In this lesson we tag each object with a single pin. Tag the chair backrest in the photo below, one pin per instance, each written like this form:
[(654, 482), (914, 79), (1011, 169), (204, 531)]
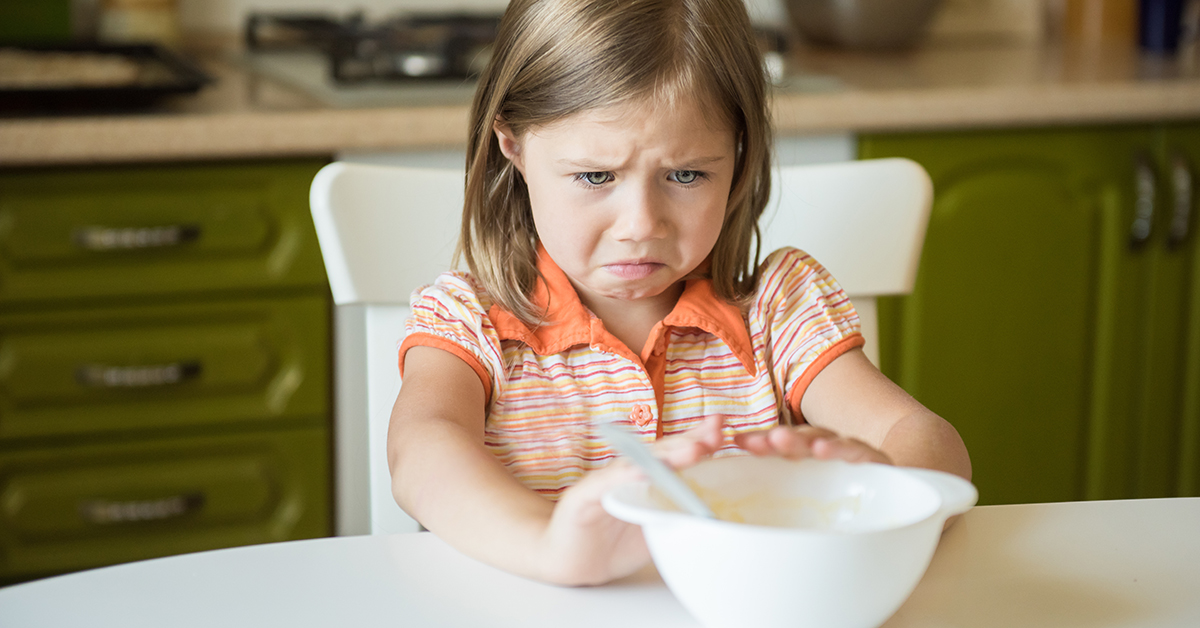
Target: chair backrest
[(863, 220), (385, 230)]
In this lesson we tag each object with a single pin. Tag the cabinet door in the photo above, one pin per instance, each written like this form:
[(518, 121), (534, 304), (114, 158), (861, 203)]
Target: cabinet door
[(1182, 145), (98, 503), (177, 365), (152, 231), (1000, 333), (1151, 384)]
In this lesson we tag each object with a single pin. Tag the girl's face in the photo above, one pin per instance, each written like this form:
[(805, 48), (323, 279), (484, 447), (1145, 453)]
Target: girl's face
[(627, 200)]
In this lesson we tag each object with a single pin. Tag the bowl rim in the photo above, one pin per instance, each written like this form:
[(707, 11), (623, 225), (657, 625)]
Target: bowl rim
[(618, 502)]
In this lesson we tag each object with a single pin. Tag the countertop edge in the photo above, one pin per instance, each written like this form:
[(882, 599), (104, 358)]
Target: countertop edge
[(172, 137), (1004, 106), (251, 134)]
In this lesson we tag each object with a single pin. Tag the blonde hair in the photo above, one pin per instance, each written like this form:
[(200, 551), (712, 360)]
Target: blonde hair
[(555, 58)]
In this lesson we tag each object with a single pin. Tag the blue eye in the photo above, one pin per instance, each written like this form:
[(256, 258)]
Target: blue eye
[(685, 176), (595, 178)]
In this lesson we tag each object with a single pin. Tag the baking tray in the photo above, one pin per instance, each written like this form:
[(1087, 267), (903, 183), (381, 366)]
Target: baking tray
[(161, 73)]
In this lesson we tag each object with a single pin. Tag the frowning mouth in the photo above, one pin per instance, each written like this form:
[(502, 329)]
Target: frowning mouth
[(634, 269)]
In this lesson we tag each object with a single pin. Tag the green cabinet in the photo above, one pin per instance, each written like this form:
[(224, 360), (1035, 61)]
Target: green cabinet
[(1054, 318), (35, 21), (110, 370), (156, 231), (84, 505), (1186, 140), (164, 363)]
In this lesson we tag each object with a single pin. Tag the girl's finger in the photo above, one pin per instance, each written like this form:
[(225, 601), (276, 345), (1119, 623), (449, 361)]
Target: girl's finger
[(688, 448), (685, 453), (797, 442), (755, 443), (788, 442)]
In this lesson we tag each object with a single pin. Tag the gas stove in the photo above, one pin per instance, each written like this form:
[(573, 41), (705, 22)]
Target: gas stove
[(406, 48), (408, 60), (348, 61)]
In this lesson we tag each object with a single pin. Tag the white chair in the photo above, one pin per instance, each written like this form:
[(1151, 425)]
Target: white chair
[(863, 220), (386, 230), (383, 231)]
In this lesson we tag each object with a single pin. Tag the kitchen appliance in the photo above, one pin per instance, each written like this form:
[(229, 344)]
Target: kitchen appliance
[(153, 73), (798, 543), (411, 47), (877, 24), (412, 59)]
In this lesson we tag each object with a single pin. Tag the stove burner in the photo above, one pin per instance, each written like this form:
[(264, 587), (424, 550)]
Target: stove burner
[(398, 49)]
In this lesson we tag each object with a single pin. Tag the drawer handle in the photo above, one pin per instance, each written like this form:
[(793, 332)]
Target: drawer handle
[(1143, 209), (99, 376), (106, 512), (1184, 194), (125, 238)]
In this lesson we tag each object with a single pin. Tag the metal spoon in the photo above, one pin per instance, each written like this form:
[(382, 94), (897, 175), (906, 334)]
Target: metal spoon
[(661, 476)]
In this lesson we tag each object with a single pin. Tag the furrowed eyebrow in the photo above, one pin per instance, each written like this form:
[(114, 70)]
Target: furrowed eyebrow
[(699, 162), (584, 164)]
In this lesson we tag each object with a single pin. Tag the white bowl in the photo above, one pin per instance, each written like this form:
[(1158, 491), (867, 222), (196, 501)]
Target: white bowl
[(826, 544)]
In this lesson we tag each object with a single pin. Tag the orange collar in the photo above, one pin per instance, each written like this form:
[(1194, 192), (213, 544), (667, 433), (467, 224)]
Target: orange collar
[(570, 323)]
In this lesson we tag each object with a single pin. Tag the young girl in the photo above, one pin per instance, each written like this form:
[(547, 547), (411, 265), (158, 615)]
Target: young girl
[(619, 160)]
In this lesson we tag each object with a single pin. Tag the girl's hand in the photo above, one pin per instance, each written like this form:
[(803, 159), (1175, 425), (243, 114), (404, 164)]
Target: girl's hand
[(584, 544), (808, 442), (681, 451)]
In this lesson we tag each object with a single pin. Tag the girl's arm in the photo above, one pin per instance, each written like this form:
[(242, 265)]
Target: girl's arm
[(859, 414), (444, 477), (441, 474)]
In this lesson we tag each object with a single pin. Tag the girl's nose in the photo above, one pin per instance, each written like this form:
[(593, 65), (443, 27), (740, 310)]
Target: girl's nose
[(640, 214)]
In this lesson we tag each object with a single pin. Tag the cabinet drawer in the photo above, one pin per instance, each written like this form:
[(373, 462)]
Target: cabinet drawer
[(156, 230), (107, 370), (71, 508)]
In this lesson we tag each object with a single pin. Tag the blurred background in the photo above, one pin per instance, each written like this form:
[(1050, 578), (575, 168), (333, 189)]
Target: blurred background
[(56, 19)]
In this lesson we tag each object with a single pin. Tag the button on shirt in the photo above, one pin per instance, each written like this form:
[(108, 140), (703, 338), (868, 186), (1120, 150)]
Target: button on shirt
[(547, 386)]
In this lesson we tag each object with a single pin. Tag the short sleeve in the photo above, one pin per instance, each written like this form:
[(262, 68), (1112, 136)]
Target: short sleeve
[(451, 314), (806, 318)]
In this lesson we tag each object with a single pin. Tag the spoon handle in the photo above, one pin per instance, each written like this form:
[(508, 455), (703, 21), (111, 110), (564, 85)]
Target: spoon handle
[(660, 475)]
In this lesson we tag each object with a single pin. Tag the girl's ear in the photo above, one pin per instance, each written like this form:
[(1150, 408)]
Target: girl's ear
[(509, 144)]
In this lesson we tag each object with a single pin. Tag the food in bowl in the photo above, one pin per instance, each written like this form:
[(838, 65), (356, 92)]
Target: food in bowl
[(796, 543)]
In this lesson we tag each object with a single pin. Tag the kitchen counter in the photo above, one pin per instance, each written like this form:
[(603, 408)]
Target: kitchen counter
[(943, 86)]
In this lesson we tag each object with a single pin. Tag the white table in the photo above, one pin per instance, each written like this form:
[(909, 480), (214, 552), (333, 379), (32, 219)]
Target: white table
[(1120, 563)]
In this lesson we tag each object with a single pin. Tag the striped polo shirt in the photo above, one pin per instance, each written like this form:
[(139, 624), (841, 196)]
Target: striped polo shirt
[(547, 386)]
